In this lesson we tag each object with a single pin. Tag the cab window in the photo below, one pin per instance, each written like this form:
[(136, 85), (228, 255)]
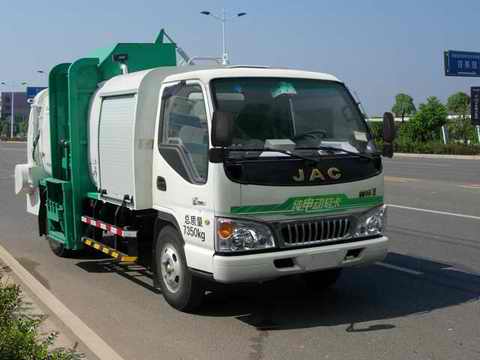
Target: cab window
[(184, 120)]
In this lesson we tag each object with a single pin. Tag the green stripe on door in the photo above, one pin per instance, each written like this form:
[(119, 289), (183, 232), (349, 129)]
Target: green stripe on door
[(311, 205)]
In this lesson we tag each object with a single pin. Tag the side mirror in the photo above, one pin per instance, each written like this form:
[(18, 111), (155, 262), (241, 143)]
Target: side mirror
[(388, 134), (222, 128)]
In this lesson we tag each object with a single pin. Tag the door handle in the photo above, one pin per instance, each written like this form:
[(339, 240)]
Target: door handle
[(161, 183), (196, 201)]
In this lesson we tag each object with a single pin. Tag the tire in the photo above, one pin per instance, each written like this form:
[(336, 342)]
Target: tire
[(321, 280), (59, 249), (181, 289)]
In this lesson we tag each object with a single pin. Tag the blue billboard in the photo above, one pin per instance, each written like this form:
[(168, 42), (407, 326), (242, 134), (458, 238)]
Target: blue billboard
[(32, 91), (462, 63)]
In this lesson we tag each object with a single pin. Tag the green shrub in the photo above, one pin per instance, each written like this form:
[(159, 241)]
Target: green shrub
[(406, 143), (376, 127), (462, 130), (19, 332), (426, 123)]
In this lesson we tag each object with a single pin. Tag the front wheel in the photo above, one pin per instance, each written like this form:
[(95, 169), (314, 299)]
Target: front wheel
[(324, 279), (181, 289)]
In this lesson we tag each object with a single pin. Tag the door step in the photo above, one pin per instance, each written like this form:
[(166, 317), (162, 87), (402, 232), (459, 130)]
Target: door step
[(108, 250)]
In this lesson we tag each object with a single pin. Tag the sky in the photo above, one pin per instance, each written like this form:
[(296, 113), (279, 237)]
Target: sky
[(378, 48)]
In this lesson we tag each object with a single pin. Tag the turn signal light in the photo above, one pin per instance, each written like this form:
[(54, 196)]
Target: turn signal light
[(225, 230)]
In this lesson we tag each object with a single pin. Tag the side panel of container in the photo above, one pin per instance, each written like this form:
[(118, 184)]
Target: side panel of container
[(122, 120)]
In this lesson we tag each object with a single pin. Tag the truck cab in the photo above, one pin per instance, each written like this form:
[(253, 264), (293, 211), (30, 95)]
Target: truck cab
[(267, 173)]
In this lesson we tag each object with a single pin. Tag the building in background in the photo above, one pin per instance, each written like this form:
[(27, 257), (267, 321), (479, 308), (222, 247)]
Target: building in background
[(22, 107)]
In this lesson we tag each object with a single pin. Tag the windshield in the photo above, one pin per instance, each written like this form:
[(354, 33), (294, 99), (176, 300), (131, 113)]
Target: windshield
[(291, 113)]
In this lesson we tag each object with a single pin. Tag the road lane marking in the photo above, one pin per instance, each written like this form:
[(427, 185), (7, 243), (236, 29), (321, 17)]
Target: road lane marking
[(399, 268), (437, 156), (94, 342), (416, 163), (470, 186), (435, 212), (398, 179)]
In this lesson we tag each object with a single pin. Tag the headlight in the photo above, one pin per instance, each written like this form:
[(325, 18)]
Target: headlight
[(371, 222), (238, 235)]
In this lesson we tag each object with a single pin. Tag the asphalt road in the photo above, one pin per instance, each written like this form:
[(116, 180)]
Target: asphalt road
[(422, 302)]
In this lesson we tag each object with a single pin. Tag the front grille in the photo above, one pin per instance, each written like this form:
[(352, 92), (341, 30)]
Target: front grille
[(315, 231)]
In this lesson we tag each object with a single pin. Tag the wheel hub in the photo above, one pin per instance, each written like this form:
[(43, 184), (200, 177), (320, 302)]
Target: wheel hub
[(171, 268)]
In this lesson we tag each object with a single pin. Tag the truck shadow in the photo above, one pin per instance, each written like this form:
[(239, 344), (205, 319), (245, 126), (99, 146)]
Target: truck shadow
[(133, 272), (400, 286), (379, 294)]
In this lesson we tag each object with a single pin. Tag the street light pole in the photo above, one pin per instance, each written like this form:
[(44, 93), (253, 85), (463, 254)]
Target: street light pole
[(225, 60), (223, 19), (12, 113)]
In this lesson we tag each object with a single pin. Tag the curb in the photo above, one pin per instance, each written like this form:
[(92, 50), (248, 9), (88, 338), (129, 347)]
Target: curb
[(91, 340), (437, 156)]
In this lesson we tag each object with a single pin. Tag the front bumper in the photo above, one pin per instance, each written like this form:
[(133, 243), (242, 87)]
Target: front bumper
[(265, 266)]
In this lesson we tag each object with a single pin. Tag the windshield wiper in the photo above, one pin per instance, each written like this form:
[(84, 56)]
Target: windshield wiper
[(286, 152), (330, 149), (334, 149)]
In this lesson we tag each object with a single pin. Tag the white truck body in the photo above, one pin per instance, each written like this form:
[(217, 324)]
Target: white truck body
[(124, 159)]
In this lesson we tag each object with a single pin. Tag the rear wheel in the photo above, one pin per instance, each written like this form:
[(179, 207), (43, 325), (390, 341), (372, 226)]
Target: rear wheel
[(180, 288), (324, 279), (58, 248)]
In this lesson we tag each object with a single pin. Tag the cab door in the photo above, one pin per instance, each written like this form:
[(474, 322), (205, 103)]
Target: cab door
[(181, 182)]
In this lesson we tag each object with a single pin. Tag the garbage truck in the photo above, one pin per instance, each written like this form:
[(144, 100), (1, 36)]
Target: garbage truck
[(227, 174)]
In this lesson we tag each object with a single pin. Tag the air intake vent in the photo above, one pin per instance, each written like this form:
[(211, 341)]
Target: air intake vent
[(315, 231)]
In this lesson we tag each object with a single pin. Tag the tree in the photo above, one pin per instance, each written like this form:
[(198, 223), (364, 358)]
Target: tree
[(4, 128), (403, 106), (22, 128), (459, 104), (430, 117)]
